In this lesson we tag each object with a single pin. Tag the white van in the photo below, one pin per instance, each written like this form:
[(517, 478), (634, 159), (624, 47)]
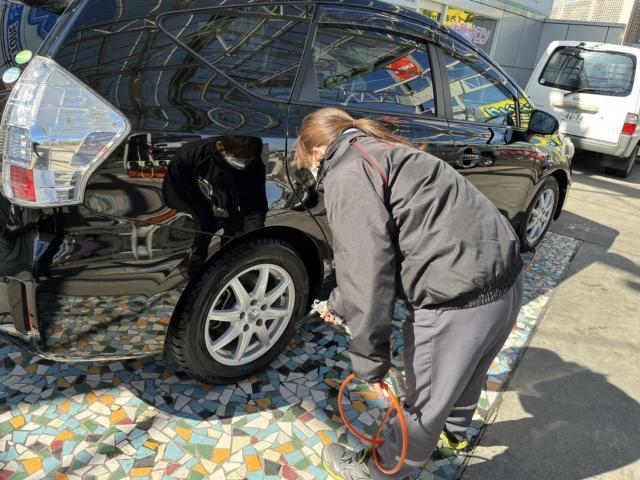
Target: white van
[(594, 91)]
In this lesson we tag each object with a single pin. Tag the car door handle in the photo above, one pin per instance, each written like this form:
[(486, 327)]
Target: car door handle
[(468, 157)]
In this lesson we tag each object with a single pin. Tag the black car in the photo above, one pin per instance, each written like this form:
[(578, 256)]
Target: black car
[(151, 199)]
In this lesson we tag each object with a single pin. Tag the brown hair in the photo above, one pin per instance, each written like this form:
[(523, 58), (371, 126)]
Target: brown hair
[(323, 126)]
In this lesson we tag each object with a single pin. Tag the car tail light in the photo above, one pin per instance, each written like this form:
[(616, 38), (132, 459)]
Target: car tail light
[(56, 132), (630, 124)]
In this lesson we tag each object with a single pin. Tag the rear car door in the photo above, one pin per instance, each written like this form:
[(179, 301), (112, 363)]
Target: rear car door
[(484, 120), (374, 64)]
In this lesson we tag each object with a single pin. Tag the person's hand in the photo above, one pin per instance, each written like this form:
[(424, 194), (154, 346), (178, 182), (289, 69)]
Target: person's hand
[(379, 389), (328, 317)]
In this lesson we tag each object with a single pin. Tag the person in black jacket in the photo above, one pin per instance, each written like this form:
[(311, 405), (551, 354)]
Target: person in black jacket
[(407, 225)]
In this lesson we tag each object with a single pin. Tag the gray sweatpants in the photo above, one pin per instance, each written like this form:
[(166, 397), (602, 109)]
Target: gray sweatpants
[(447, 357)]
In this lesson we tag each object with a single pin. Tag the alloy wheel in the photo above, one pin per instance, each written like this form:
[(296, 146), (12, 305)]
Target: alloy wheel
[(250, 314), (540, 215)]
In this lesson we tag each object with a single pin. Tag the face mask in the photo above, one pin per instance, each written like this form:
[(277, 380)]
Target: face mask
[(236, 162), (314, 171)]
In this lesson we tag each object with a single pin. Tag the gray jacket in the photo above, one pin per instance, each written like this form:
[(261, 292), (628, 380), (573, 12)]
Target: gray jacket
[(407, 225)]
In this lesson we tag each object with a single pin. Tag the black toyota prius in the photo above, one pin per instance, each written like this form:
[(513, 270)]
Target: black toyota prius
[(150, 199)]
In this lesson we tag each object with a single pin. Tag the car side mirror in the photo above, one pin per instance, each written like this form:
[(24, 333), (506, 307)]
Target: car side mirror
[(543, 123)]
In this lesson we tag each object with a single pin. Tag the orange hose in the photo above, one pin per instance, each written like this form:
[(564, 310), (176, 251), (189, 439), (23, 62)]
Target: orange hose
[(376, 441)]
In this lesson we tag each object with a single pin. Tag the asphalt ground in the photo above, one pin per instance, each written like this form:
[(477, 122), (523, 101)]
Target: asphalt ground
[(571, 410)]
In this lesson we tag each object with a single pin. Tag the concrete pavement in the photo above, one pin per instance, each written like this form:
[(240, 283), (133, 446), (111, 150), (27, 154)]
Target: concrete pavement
[(572, 409)]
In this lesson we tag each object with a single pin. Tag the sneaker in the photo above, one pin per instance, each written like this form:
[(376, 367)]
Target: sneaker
[(344, 464), (448, 445)]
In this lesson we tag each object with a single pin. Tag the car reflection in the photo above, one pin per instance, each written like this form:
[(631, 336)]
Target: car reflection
[(220, 182)]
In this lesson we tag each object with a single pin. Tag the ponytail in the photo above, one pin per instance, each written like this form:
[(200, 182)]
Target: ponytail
[(322, 127)]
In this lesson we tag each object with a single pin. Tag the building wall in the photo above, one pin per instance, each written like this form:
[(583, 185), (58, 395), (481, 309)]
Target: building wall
[(632, 35), (611, 11)]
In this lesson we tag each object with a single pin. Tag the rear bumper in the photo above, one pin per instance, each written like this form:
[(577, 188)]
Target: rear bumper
[(621, 149), (68, 297)]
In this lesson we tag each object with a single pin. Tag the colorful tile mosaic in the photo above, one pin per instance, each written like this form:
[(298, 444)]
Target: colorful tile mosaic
[(144, 419), (123, 326)]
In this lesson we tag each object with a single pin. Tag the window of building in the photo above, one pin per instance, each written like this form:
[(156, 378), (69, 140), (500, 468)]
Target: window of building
[(477, 91), (259, 47), (374, 69), (478, 29)]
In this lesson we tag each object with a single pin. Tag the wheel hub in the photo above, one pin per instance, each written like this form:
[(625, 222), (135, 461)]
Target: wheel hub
[(249, 315), (540, 215)]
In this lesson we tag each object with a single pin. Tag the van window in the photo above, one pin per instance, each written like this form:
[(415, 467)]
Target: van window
[(259, 47), (584, 70), (477, 89), (374, 69)]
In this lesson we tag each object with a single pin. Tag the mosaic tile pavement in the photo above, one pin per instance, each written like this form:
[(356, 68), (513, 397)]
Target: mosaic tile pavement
[(124, 325), (144, 419)]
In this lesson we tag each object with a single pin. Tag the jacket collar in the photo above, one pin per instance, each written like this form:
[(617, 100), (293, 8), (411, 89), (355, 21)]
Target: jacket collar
[(337, 149)]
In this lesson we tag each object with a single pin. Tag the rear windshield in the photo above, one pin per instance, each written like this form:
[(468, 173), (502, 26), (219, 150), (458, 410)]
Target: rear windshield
[(24, 26), (590, 71)]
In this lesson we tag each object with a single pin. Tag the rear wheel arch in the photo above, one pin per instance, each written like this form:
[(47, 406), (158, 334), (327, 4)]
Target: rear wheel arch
[(310, 253), (228, 285)]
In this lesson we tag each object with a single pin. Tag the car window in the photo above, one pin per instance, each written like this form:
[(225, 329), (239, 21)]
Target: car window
[(375, 69), (478, 91), (590, 71), (259, 47)]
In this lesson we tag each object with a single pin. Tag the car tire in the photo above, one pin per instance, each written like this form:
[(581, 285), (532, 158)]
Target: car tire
[(539, 215), (225, 330), (626, 167)]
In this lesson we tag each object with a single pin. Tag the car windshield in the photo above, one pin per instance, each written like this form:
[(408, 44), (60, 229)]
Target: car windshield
[(590, 71)]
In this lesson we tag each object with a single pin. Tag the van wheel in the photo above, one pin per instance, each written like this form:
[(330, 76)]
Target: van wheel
[(626, 167), (539, 215), (241, 314)]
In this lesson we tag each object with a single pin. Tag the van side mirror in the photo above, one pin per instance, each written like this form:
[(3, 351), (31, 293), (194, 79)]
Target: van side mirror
[(543, 123)]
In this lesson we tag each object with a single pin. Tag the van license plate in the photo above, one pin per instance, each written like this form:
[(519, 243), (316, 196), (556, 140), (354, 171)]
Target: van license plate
[(573, 116)]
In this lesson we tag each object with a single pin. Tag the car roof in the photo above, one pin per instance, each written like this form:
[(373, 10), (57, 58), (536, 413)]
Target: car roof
[(600, 46), (387, 6)]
